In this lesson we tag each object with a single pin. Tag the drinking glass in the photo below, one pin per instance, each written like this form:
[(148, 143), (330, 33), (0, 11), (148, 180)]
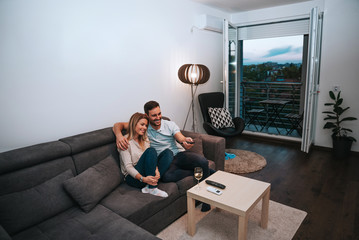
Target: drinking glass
[(198, 174)]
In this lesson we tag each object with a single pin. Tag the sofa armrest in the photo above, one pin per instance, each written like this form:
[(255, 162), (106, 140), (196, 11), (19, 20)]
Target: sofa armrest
[(213, 147), (3, 234)]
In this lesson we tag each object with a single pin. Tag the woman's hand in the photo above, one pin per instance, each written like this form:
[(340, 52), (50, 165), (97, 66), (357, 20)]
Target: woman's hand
[(150, 180), (158, 175)]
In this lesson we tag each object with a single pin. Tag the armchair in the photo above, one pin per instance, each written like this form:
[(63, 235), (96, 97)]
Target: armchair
[(216, 100)]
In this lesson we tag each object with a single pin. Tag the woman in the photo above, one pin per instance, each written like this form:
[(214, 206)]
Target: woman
[(139, 163)]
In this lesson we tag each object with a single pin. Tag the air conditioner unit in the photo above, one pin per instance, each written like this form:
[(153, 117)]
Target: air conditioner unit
[(211, 23)]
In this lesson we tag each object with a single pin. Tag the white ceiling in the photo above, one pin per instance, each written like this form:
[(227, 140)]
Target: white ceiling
[(233, 6)]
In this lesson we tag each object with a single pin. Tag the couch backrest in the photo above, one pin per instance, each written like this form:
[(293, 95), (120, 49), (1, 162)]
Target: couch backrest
[(31, 184), (89, 148), (27, 167)]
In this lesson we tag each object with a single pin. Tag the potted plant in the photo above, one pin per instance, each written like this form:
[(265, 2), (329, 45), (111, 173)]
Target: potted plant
[(341, 141)]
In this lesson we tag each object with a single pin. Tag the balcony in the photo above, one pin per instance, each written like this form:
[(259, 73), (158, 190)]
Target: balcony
[(279, 118)]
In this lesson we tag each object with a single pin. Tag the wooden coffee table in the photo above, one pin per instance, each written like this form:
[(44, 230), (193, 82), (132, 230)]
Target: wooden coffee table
[(239, 197)]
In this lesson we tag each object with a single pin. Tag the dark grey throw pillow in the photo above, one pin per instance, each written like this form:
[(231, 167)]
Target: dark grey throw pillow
[(89, 187), (23, 209)]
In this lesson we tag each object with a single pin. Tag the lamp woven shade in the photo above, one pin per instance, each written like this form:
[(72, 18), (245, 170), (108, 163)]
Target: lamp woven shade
[(193, 74)]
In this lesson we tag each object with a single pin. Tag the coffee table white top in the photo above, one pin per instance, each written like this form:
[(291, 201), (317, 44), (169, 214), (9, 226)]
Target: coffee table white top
[(240, 195)]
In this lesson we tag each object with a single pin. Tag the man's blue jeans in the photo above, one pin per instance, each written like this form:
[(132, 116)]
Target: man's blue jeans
[(183, 165), (147, 163)]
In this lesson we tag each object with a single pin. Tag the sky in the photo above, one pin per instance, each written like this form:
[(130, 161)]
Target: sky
[(280, 50)]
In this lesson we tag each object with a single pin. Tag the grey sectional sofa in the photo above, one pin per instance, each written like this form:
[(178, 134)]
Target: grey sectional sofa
[(73, 189)]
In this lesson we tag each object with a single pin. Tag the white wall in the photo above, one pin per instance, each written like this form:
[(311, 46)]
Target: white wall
[(68, 67), (340, 64), (340, 54)]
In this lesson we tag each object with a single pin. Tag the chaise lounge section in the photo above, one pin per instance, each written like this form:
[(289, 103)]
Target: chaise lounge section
[(73, 189)]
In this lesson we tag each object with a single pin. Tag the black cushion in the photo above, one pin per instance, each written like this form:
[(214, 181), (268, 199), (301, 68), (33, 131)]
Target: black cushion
[(206, 100)]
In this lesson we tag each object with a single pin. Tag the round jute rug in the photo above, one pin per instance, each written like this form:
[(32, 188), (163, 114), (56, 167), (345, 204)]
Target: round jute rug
[(244, 162)]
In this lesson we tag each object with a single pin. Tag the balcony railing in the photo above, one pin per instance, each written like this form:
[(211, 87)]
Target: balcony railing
[(252, 93)]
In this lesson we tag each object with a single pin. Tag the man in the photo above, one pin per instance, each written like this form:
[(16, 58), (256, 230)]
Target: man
[(163, 135)]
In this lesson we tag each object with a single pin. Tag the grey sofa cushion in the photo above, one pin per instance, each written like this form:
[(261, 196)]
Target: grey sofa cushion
[(26, 178), (74, 224), (132, 204), (32, 155), (92, 185), (23, 209)]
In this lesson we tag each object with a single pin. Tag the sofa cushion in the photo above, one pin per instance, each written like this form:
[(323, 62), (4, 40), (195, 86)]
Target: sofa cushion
[(186, 183), (26, 178), (99, 224), (132, 204), (23, 209), (91, 157), (32, 155), (92, 185)]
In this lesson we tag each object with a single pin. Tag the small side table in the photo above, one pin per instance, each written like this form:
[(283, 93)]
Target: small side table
[(239, 197)]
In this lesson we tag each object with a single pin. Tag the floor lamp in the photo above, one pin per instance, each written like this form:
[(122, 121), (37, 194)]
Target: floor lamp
[(193, 74)]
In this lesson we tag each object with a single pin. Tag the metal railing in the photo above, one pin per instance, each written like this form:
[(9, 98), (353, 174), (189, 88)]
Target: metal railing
[(254, 92)]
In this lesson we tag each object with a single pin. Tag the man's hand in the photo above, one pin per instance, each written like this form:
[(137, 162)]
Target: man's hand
[(122, 143), (187, 145)]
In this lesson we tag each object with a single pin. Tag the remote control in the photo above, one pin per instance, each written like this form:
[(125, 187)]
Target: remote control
[(214, 190), (216, 184)]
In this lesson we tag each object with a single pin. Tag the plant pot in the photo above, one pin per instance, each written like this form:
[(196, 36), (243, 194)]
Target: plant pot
[(341, 147)]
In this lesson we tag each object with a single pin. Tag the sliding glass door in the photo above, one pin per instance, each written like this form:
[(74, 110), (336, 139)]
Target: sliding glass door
[(230, 67), (312, 86), (271, 74)]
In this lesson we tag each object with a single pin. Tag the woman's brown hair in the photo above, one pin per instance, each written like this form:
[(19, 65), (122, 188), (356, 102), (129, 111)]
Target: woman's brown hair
[(135, 118)]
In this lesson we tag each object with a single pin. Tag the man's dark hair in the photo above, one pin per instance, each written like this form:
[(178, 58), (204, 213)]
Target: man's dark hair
[(150, 105)]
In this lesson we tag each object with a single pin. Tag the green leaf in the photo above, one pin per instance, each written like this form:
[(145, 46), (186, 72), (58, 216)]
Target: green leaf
[(339, 94), (338, 110), (348, 119), (347, 129), (343, 110), (329, 125), (328, 104), (330, 118), (340, 101), (329, 112), (331, 94)]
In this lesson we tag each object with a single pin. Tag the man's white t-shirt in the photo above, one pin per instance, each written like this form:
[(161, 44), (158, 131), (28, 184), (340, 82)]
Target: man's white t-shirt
[(163, 138)]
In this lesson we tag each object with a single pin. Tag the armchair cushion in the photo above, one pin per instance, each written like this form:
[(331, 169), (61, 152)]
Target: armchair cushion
[(220, 117)]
